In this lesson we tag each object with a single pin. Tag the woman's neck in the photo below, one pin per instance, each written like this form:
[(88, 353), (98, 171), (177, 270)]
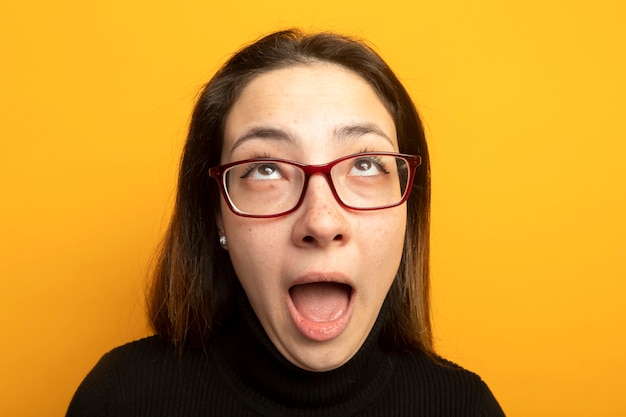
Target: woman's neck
[(249, 360)]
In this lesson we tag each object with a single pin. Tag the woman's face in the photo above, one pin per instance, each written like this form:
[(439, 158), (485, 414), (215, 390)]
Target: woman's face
[(316, 278)]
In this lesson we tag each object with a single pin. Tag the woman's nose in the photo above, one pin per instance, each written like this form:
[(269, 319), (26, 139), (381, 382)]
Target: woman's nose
[(321, 219)]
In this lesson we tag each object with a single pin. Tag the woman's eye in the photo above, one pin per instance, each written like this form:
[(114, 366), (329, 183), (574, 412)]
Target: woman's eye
[(367, 167), (262, 172)]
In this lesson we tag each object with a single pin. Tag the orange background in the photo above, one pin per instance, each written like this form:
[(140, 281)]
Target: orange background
[(524, 103)]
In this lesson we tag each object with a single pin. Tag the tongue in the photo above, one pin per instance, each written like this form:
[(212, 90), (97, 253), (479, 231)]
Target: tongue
[(321, 301)]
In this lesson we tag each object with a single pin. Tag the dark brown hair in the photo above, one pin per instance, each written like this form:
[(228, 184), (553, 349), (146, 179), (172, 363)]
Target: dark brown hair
[(194, 283)]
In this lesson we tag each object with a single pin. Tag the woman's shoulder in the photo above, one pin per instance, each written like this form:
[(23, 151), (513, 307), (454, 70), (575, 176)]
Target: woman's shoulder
[(146, 368), (153, 355), (149, 347), (433, 366), (446, 384)]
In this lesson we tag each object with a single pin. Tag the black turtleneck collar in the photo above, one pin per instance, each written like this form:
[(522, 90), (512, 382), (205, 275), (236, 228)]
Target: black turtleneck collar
[(269, 383)]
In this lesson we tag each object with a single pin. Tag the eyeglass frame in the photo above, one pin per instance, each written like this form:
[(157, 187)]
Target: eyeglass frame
[(414, 161)]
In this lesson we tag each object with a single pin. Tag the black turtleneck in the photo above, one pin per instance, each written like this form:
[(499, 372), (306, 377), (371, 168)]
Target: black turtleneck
[(243, 374)]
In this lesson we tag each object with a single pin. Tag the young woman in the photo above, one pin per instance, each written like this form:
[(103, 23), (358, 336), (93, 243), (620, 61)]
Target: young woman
[(293, 279)]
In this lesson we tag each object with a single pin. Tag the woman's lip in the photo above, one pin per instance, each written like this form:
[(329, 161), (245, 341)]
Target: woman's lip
[(321, 331), (311, 278)]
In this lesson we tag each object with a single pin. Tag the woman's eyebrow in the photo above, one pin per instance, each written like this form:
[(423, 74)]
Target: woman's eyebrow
[(348, 132), (357, 130), (262, 132)]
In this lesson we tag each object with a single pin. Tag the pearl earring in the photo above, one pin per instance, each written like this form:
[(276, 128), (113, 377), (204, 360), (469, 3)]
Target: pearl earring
[(223, 241)]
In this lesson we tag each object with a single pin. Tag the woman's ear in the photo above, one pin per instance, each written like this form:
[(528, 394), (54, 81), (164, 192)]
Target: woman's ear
[(220, 230), (219, 222)]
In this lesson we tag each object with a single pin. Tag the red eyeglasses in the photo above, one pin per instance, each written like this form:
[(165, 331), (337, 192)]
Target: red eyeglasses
[(270, 187)]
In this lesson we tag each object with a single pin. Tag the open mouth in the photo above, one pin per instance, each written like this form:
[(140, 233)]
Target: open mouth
[(320, 310)]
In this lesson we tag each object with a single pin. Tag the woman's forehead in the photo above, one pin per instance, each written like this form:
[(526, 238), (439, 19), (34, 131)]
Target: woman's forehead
[(299, 102)]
